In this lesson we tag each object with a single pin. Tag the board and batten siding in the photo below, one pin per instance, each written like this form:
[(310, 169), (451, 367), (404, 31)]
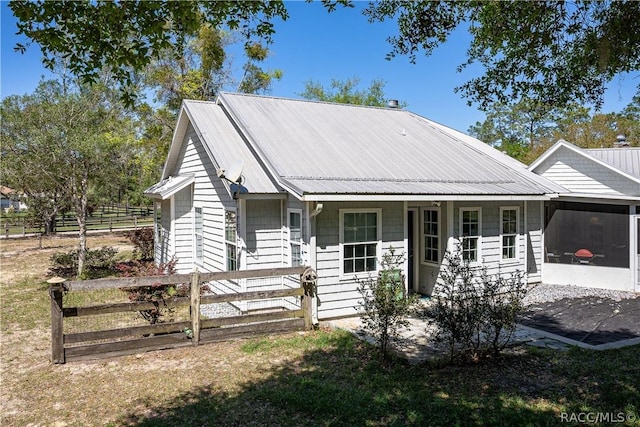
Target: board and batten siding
[(581, 174), (338, 296)]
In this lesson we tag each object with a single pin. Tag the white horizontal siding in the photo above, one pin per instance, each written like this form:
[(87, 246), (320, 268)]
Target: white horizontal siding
[(535, 246), (265, 234), (490, 242), (209, 193), (580, 174), (338, 296), (183, 222)]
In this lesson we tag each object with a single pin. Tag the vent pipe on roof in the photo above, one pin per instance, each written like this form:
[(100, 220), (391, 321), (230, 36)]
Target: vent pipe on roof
[(393, 103), (621, 141)]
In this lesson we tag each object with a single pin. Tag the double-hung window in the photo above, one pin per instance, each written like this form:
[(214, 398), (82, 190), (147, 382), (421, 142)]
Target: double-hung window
[(360, 234), (198, 233), (471, 231), (509, 218), (430, 236), (231, 240), (295, 237)]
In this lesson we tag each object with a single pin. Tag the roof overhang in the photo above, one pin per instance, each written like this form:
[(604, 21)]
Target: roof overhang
[(423, 197), (168, 187), (599, 197)]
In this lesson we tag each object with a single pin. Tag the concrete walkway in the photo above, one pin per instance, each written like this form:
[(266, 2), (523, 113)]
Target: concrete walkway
[(416, 343)]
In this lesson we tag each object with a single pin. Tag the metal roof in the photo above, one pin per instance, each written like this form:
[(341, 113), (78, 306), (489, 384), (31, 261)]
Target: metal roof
[(169, 186), (224, 145), (626, 159), (317, 147)]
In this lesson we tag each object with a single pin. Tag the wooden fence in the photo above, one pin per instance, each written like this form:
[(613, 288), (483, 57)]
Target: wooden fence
[(106, 218), (196, 330)]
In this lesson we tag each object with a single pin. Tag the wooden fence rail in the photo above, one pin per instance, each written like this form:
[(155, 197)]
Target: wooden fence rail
[(134, 339)]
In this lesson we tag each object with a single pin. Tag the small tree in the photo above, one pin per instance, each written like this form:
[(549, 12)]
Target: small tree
[(475, 313), (385, 304)]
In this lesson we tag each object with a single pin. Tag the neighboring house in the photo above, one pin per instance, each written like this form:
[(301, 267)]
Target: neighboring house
[(335, 186), (9, 199), (592, 233)]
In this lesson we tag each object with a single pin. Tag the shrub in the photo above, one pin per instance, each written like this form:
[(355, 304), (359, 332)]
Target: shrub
[(157, 294), (475, 313), (385, 305), (142, 239), (98, 263)]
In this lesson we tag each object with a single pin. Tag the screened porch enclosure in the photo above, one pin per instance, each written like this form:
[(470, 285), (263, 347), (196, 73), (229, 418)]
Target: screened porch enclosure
[(587, 234)]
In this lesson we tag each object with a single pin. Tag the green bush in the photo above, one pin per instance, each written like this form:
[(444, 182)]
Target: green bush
[(385, 305), (99, 262), (475, 313)]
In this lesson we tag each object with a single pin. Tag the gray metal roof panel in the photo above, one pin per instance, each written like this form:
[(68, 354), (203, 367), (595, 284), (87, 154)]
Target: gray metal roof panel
[(625, 159), (226, 145), (306, 141), (169, 186)]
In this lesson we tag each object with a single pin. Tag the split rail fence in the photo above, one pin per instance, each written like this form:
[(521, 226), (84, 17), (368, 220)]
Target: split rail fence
[(193, 328)]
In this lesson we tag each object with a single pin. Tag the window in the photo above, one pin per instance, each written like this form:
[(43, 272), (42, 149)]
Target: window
[(430, 235), (471, 229), (360, 235), (159, 232), (198, 233), (295, 237), (230, 237), (509, 219)]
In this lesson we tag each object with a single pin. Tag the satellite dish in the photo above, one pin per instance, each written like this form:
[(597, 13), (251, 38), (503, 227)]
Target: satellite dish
[(234, 171)]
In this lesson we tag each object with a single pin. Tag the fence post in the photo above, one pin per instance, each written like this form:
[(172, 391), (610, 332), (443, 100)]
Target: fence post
[(308, 280), (195, 307), (57, 332)]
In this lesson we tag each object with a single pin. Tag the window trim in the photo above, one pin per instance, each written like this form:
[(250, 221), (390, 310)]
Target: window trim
[(478, 259), (292, 242), (378, 242), (229, 242), (423, 248), (516, 255), (196, 260)]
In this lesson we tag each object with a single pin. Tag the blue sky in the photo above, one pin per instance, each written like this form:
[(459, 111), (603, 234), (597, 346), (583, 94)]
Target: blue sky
[(315, 45)]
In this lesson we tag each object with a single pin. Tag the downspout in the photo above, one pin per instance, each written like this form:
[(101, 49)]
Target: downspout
[(542, 244), (526, 244)]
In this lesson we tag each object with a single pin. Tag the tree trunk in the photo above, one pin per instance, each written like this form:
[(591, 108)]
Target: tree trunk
[(81, 216)]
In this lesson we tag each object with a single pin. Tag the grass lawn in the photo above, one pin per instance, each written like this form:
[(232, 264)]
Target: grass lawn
[(320, 378)]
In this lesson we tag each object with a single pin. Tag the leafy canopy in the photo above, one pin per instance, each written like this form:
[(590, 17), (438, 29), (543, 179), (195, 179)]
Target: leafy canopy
[(552, 52), (347, 92), (126, 36)]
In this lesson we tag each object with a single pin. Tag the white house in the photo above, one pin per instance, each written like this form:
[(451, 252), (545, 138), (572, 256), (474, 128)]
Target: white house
[(592, 230), (255, 181)]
